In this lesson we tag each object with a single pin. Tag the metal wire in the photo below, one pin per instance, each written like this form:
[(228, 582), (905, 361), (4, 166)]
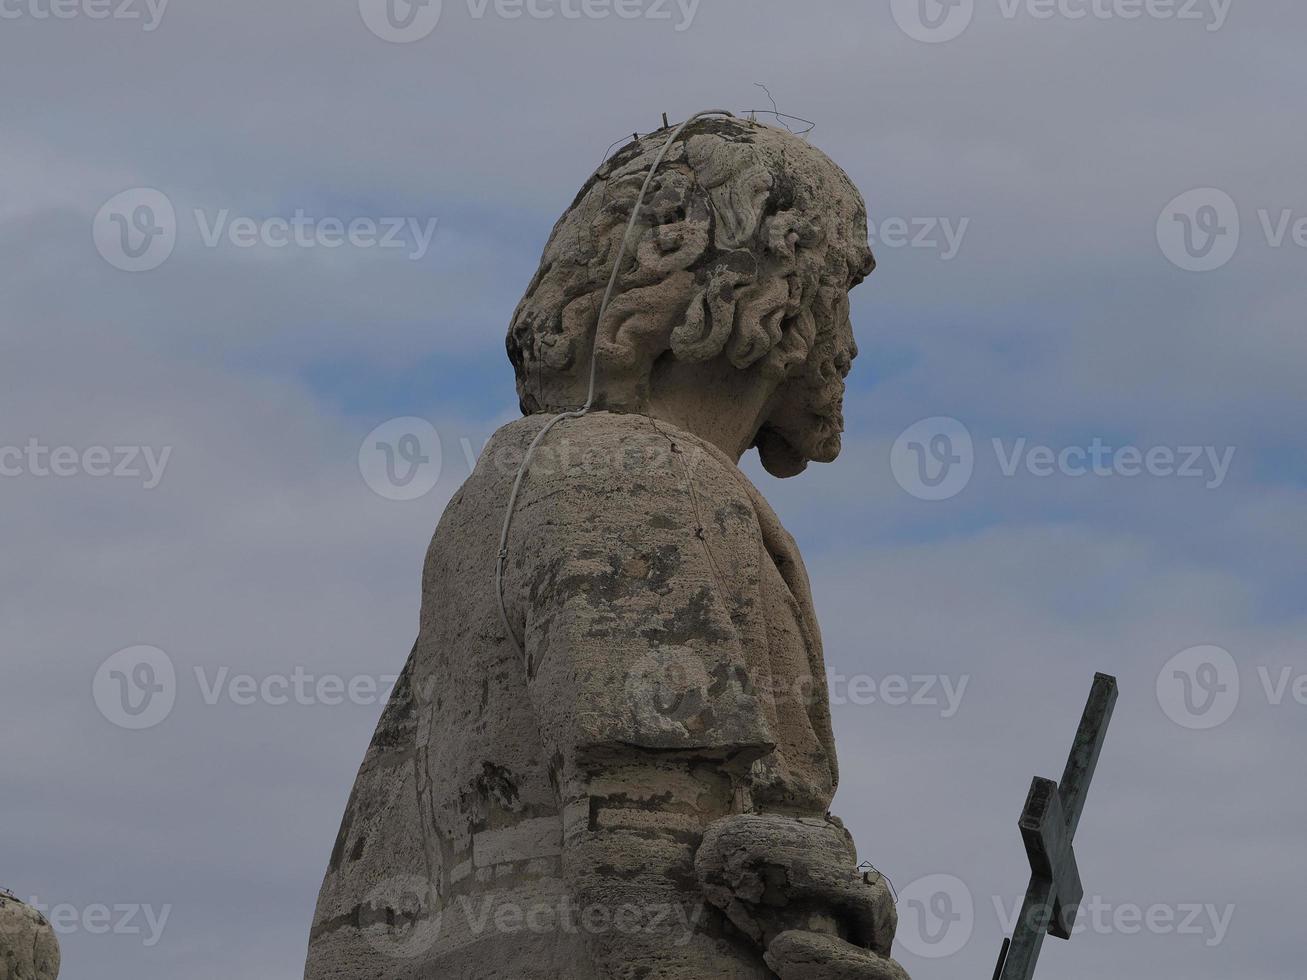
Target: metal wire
[(501, 559)]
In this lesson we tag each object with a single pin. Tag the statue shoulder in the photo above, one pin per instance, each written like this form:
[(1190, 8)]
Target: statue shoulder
[(605, 464)]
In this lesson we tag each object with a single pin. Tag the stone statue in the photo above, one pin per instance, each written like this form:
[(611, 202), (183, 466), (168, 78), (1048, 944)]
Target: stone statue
[(643, 792), (29, 949)]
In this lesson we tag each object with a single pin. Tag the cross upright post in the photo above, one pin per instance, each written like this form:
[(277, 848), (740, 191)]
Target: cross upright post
[(1048, 827)]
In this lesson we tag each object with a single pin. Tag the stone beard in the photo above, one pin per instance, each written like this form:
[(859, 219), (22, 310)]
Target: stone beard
[(645, 793)]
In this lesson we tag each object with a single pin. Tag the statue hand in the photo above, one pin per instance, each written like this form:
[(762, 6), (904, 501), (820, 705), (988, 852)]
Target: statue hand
[(772, 875)]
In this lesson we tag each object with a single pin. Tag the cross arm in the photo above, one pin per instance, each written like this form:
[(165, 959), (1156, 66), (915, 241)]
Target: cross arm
[(1052, 859)]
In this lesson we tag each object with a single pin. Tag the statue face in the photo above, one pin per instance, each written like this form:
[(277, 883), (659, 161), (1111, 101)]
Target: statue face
[(806, 422)]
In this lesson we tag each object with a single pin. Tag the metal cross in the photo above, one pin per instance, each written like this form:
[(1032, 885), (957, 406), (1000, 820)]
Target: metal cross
[(1048, 827)]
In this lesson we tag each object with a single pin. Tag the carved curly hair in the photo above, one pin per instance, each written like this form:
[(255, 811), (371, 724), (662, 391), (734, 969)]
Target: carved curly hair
[(747, 235)]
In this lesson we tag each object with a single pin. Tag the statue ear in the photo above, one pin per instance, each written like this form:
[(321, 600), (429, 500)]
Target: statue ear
[(710, 318), (798, 335), (635, 331), (758, 321)]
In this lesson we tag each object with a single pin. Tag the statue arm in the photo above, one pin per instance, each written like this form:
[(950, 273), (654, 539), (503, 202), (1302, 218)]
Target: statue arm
[(638, 683), (633, 601), (651, 794)]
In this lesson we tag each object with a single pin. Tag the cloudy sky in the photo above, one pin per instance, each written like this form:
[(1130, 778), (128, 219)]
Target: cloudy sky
[(237, 237)]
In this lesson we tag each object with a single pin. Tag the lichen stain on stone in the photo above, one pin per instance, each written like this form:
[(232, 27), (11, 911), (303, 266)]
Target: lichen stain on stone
[(496, 784), (736, 513), (692, 621), (723, 674)]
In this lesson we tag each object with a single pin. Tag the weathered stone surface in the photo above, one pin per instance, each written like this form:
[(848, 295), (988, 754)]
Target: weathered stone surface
[(538, 815), (772, 874), (813, 956), (29, 949)]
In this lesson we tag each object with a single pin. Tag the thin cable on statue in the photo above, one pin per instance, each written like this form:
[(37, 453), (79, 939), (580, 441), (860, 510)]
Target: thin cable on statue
[(502, 559)]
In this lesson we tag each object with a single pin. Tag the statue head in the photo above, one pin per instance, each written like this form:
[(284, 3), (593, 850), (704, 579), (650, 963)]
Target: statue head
[(747, 246)]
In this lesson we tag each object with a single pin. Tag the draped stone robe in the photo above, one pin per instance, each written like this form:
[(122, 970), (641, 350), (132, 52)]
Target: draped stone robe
[(536, 818)]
